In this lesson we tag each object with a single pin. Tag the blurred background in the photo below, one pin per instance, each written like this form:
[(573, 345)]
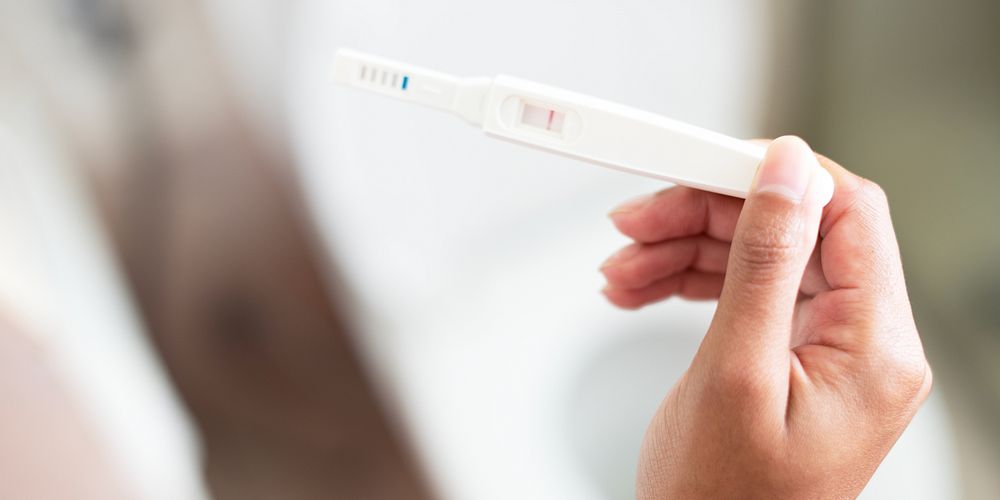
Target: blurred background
[(221, 276)]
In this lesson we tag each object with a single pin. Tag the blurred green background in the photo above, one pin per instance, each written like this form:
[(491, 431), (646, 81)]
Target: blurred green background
[(907, 93)]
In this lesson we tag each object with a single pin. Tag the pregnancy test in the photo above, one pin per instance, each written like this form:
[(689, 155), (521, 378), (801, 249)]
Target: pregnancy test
[(564, 122)]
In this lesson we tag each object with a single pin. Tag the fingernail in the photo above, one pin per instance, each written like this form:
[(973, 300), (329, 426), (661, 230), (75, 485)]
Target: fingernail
[(787, 169), (824, 186), (632, 205), (621, 256)]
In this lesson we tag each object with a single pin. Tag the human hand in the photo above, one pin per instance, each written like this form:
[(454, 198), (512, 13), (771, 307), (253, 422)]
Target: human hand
[(812, 366)]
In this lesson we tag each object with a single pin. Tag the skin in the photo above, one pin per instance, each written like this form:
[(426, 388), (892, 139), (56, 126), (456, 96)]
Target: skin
[(812, 366)]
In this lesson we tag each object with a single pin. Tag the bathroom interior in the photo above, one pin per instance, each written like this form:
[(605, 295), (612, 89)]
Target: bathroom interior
[(250, 283)]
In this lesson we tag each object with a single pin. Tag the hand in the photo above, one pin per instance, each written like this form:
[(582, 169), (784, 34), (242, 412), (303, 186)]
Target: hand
[(812, 366)]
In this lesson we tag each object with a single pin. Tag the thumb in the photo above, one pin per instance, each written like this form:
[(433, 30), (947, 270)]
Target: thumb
[(774, 237)]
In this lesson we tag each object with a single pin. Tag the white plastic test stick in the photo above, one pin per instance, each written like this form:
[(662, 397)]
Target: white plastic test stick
[(568, 123)]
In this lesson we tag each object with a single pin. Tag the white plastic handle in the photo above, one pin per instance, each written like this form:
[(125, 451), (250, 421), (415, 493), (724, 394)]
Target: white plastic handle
[(620, 137)]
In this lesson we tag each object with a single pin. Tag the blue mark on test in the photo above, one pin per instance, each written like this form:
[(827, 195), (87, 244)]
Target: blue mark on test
[(406, 80)]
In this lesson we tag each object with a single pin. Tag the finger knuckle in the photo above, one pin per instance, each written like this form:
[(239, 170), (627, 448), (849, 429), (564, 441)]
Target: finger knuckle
[(764, 251), (873, 196), (928, 383), (761, 252), (629, 276), (911, 378), (904, 379), (624, 300)]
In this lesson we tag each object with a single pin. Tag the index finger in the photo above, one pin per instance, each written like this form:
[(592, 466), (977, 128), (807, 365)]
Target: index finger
[(678, 212), (859, 248)]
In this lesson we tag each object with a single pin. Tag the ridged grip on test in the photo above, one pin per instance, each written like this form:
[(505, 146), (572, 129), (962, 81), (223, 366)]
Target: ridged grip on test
[(370, 72), (461, 96)]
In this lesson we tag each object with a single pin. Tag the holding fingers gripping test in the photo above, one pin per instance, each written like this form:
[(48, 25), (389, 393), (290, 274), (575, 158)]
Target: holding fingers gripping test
[(812, 366)]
